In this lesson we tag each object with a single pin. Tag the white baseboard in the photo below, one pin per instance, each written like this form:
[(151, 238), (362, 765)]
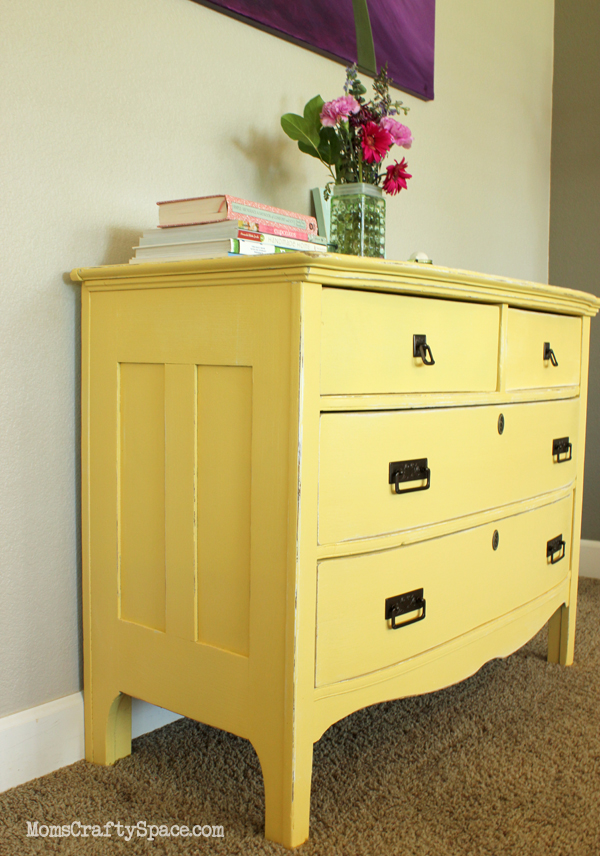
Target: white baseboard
[(589, 561), (42, 739)]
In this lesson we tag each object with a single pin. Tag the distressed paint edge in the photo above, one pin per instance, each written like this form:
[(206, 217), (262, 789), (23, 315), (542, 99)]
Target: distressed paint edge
[(334, 270)]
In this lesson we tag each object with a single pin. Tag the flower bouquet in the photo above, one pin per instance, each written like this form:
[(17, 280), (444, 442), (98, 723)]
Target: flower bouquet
[(351, 137)]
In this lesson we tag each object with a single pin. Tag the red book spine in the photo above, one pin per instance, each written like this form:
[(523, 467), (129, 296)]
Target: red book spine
[(248, 235)]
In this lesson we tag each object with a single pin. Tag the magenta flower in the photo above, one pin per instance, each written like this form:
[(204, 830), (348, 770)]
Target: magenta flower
[(339, 109), (401, 135), (396, 177), (376, 142)]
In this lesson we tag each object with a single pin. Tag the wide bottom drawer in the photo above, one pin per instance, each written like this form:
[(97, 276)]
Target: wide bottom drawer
[(468, 578)]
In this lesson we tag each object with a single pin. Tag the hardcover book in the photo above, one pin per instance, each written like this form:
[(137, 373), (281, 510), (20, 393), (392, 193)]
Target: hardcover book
[(212, 209)]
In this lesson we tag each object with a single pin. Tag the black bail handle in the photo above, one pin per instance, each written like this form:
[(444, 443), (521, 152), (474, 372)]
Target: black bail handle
[(403, 604), (400, 472), (549, 354), (421, 349), (555, 549)]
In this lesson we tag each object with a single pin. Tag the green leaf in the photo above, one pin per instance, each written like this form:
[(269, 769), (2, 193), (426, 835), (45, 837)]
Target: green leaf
[(329, 146), (365, 47), (298, 128), (308, 149), (312, 112)]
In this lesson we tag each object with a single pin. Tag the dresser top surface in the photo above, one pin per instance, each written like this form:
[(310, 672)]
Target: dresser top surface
[(331, 269)]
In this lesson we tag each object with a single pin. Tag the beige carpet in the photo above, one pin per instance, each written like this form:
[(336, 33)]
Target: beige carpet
[(506, 763)]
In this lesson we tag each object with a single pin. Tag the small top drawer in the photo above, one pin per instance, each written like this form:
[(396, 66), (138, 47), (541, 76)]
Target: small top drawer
[(544, 350), (367, 344)]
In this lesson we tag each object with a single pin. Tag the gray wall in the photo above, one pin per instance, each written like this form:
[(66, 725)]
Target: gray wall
[(575, 198)]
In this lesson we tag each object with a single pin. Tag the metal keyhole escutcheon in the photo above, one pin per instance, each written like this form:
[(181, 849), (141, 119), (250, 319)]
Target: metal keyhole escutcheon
[(495, 539)]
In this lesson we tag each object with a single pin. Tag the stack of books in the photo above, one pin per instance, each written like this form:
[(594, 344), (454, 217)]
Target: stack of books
[(213, 226)]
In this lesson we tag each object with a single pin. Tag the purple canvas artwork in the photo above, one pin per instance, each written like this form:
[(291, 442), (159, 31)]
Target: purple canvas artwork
[(370, 32)]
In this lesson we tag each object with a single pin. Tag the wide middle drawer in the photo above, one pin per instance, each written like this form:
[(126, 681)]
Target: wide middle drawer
[(368, 346), (477, 457)]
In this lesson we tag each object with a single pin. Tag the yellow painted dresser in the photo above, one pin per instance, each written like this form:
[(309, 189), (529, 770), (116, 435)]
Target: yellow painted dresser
[(314, 482)]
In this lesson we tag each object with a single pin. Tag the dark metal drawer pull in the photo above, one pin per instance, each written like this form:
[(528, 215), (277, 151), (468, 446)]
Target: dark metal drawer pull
[(422, 349), (401, 604), (549, 354), (554, 546), (408, 471), (561, 446)]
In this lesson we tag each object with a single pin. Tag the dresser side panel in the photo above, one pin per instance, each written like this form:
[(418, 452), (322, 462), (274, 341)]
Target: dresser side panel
[(247, 330)]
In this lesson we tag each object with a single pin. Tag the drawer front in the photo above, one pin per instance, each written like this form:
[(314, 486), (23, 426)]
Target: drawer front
[(472, 466), (367, 344), (528, 332), (465, 582)]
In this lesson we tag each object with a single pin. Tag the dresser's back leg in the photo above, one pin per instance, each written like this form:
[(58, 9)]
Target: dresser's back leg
[(561, 635)]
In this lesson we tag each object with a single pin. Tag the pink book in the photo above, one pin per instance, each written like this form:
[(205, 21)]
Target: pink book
[(285, 232), (212, 209)]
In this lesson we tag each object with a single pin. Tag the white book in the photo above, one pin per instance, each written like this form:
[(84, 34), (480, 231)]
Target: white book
[(251, 237), (204, 249)]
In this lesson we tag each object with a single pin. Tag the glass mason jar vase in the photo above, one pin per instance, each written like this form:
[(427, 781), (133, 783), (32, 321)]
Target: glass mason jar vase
[(358, 220)]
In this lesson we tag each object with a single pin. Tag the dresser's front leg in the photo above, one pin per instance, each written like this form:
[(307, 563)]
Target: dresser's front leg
[(107, 726), (287, 773), (561, 635)]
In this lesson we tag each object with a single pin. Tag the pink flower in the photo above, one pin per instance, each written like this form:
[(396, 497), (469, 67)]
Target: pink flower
[(396, 177), (376, 142), (337, 110), (401, 135)]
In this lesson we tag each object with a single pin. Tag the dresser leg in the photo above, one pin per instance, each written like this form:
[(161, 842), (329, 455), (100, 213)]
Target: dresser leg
[(287, 781), (561, 635), (107, 727)]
